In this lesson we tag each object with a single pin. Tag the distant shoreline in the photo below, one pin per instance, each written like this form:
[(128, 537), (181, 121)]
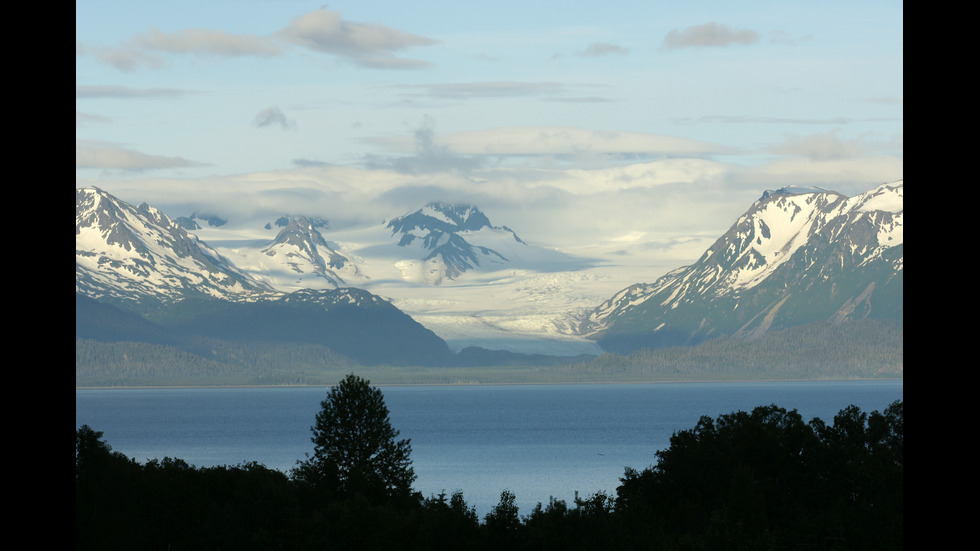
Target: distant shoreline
[(512, 383)]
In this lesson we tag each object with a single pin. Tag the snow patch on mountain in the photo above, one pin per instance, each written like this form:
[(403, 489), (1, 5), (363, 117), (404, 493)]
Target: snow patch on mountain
[(519, 297), (771, 232), (768, 235), (126, 253)]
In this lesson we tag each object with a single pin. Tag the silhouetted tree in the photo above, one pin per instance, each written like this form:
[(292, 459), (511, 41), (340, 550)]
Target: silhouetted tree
[(448, 523), (747, 480), (503, 524), (355, 448), (766, 479), (103, 478)]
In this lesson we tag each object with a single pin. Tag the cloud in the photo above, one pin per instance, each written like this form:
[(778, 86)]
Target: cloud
[(368, 45), (206, 42), (82, 119), (821, 147), (127, 59), (105, 156), (849, 176), (272, 116), (124, 92), (495, 89), (480, 155), (551, 91), (143, 50), (754, 119), (530, 140), (429, 156), (580, 99), (303, 162), (673, 207), (597, 49), (711, 35)]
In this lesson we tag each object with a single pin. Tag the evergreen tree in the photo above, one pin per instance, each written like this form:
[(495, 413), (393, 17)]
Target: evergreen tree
[(355, 448)]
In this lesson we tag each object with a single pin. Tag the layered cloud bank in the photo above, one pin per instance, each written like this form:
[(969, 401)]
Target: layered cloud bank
[(609, 136)]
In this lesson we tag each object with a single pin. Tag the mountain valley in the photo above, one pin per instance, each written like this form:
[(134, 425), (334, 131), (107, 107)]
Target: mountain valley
[(443, 286)]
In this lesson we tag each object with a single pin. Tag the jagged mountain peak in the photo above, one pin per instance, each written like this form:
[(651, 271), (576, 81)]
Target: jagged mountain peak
[(441, 217), (463, 216), (131, 255), (793, 190), (96, 208), (192, 222), (299, 231), (887, 197), (299, 249), (781, 222), (313, 221), (453, 238), (335, 297), (795, 256)]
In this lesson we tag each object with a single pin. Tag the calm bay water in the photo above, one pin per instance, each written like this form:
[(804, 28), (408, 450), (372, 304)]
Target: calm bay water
[(534, 440)]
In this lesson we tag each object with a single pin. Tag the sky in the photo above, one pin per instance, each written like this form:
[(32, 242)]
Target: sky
[(608, 128)]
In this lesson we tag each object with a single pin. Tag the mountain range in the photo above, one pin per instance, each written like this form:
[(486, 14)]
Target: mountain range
[(137, 256), (796, 257)]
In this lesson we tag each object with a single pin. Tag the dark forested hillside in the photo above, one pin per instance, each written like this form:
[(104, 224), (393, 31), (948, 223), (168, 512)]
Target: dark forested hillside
[(369, 332), (851, 350), (370, 335), (107, 323), (855, 350)]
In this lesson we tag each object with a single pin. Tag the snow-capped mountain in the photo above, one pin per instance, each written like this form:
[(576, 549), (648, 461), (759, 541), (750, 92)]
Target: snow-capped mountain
[(796, 256), (444, 241), (135, 261), (127, 255), (500, 291), (438, 244), (300, 253)]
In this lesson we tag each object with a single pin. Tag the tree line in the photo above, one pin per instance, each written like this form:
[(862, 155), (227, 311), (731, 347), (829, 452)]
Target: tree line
[(863, 349), (764, 479), (859, 349)]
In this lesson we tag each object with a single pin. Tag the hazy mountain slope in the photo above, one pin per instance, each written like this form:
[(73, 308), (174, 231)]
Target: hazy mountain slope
[(352, 322), (795, 257), (104, 322)]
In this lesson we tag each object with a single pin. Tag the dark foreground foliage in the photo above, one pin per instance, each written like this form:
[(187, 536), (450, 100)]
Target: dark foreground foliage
[(762, 480)]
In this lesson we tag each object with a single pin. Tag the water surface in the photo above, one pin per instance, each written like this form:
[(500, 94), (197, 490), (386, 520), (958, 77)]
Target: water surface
[(537, 441)]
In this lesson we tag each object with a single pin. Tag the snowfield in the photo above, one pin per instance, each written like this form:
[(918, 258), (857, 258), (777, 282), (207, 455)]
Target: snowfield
[(532, 309)]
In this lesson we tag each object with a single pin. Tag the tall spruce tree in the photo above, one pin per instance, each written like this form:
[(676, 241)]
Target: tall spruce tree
[(355, 448)]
